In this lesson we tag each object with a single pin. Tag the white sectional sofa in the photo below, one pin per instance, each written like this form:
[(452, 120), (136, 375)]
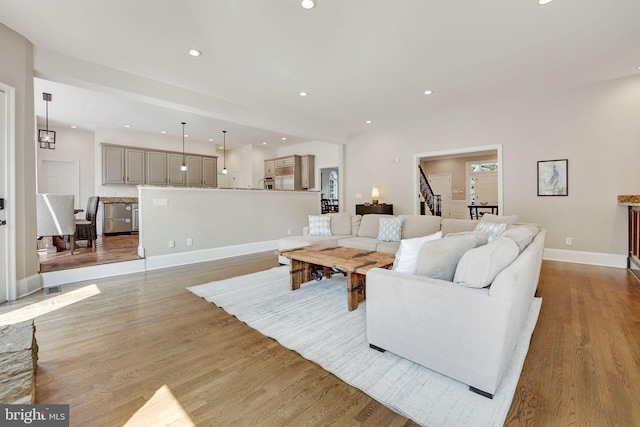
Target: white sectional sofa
[(458, 327), (454, 301)]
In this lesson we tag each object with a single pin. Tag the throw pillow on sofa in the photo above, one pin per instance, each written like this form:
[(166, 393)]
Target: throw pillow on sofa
[(522, 234), (319, 225), (509, 219), (390, 229), (479, 266), (407, 256), (492, 229), (439, 258)]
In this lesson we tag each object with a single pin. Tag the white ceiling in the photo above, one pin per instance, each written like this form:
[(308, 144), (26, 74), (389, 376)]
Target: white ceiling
[(358, 59)]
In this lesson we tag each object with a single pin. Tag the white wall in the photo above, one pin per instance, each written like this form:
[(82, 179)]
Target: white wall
[(74, 145), (596, 127), (16, 70), (216, 218)]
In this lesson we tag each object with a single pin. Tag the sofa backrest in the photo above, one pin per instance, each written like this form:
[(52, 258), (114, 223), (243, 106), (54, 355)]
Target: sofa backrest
[(450, 225), (370, 224), (419, 225), (341, 223)]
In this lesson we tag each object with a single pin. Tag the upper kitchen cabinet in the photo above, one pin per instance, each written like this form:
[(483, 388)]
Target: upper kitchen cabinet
[(210, 171), (269, 168), (112, 165), (176, 176), (307, 171), (194, 171), (134, 166), (156, 168)]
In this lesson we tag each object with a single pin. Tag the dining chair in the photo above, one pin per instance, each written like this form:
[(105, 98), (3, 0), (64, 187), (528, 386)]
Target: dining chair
[(86, 228), (55, 217)]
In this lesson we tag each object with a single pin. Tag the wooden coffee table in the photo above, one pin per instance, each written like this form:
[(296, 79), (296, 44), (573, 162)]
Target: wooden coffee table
[(318, 261)]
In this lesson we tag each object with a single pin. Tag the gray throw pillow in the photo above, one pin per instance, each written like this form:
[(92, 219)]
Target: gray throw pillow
[(479, 266), (439, 258)]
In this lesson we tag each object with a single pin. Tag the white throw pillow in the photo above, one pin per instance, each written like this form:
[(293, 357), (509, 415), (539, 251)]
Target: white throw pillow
[(319, 225), (407, 256), (390, 229), (479, 266), (491, 228)]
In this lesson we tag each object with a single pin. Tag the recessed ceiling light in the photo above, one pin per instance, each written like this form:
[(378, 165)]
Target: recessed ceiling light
[(73, 127), (368, 122), (284, 138), (544, 1), (210, 139), (428, 92), (264, 143), (308, 4), (195, 52), (186, 136), (163, 131), (304, 93), (127, 126)]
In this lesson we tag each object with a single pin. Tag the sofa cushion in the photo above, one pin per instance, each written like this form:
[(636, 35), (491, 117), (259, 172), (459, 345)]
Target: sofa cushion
[(388, 247), (439, 258), (390, 229), (355, 224), (509, 219), (340, 223), (493, 229), (407, 255), (522, 235), (369, 225), (479, 266), (419, 225), (450, 225), (367, 243), (319, 225)]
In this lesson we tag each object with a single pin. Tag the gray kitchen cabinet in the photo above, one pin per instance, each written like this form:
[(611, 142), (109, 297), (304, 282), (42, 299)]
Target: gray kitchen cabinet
[(269, 168), (175, 176), (210, 171), (134, 166), (156, 168), (112, 165), (307, 171), (194, 171)]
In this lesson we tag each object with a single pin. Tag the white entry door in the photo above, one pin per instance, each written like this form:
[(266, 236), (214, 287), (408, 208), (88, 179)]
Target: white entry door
[(60, 177), (4, 241), (487, 187), (441, 184)]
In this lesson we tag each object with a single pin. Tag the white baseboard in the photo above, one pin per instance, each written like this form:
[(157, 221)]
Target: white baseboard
[(29, 285), (192, 257), (580, 257), (55, 278)]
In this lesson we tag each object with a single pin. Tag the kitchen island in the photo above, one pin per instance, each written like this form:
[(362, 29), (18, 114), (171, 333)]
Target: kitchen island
[(633, 253)]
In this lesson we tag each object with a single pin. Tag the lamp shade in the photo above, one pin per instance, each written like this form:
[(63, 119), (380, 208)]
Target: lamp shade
[(375, 193)]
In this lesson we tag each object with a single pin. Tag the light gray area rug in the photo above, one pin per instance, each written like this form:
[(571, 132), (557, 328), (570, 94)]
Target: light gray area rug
[(314, 321)]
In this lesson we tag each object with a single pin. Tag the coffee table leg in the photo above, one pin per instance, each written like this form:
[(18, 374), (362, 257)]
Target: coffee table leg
[(356, 289), (299, 273)]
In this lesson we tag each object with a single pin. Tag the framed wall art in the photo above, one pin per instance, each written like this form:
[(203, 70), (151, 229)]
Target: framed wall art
[(553, 177)]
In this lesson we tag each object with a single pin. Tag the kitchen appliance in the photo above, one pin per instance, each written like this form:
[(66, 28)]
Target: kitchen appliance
[(269, 183), (120, 218)]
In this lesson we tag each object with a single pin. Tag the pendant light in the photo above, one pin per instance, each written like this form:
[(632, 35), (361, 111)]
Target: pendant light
[(184, 165), (46, 137), (224, 152)]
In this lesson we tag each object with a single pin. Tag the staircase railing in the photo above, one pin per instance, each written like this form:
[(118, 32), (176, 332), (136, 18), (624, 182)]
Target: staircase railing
[(434, 201)]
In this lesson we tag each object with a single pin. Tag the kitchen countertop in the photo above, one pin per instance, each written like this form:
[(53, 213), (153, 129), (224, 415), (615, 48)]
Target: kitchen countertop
[(119, 199), (629, 200)]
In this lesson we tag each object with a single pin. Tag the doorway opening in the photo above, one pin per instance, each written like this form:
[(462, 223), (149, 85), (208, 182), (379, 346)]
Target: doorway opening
[(468, 182), (329, 190)]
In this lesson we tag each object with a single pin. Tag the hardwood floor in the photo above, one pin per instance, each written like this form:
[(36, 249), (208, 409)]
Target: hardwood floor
[(142, 350), (106, 250)]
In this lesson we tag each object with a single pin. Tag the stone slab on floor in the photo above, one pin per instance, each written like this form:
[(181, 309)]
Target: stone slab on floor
[(18, 363)]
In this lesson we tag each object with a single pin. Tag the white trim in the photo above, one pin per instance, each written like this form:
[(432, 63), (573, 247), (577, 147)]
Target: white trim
[(581, 257), (458, 151), (192, 257), (10, 190), (61, 277), (29, 285)]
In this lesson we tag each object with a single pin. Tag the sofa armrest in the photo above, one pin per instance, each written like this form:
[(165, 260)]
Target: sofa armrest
[(441, 325)]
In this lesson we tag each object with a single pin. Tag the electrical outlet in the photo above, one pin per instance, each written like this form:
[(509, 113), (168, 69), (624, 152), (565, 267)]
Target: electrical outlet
[(189, 241), (288, 231), (172, 243), (568, 241)]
